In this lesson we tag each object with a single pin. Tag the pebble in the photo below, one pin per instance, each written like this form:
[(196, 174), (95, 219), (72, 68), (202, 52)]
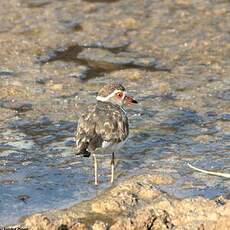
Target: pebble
[(41, 80), (23, 197), (81, 72), (56, 87)]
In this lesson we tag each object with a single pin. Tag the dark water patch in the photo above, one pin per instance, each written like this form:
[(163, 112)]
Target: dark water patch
[(114, 48), (226, 137), (124, 60), (225, 117), (35, 3), (101, 60), (4, 74), (41, 80), (69, 96), (16, 105), (105, 1), (70, 54), (168, 96), (224, 95), (207, 119), (197, 131), (148, 97), (82, 72), (72, 25), (44, 131), (187, 123), (213, 78), (63, 53), (5, 146), (26, 124), (163, 96), (212, 115), (45, 139), (179, 118)]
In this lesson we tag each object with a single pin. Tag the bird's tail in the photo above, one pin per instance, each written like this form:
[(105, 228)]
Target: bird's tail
[(82, 148), (84, 153)]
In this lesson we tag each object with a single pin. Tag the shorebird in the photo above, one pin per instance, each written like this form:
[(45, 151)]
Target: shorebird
[(104, 127)]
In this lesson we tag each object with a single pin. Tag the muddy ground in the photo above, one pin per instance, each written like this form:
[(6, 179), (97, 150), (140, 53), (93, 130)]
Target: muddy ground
[(137, 204), (173, 56)]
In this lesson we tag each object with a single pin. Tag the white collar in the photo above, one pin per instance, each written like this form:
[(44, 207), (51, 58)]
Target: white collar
[(100, 98)]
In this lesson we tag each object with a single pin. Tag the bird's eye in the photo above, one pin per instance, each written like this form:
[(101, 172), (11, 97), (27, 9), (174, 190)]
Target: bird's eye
[(119, 94)]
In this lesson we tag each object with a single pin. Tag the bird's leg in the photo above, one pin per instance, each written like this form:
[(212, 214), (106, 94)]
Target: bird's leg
[(112, 168), (95, 169)]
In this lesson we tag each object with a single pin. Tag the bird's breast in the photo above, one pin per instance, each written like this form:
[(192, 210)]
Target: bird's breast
[(110, 147)]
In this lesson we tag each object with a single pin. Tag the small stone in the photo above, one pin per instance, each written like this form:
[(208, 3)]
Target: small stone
[(128, 23), (41, 80), (135, 76), (78, 226), (99, 225), (212, 78), (23, 197), (56, 87), (164, 87), (81, 72), (220, 200), (72, 24)]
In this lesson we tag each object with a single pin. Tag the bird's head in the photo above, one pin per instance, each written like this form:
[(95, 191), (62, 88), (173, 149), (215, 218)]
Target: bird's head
[(116, 94)]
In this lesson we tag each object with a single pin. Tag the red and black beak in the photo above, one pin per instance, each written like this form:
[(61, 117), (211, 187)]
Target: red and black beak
[(129, 100)]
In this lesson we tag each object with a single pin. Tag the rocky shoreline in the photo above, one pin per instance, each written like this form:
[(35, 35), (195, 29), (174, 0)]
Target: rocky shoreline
[(136, 203)]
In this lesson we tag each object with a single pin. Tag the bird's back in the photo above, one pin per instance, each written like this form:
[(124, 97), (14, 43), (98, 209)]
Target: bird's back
[(102, 125)]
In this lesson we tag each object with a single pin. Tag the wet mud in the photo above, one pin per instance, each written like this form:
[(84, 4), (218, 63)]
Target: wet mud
[(172, 56)]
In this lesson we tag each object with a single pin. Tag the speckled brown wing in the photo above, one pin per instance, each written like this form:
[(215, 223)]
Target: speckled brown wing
[(85, 131), (112, 124), (104, 122)]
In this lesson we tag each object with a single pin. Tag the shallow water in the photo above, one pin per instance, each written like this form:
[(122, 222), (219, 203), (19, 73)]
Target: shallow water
[(38, 160), (181, 80)]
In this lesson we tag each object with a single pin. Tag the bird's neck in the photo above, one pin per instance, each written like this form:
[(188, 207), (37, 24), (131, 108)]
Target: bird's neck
[(112, 104), (116, 103)]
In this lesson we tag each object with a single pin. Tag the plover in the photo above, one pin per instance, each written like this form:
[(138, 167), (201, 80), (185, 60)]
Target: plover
[(104, 127)]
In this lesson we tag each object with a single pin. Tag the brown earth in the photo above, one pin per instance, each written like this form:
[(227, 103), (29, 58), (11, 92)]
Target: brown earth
[(137, 204)]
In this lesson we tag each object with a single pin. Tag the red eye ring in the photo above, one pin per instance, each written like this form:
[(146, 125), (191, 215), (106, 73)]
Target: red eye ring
[(119, 94)]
